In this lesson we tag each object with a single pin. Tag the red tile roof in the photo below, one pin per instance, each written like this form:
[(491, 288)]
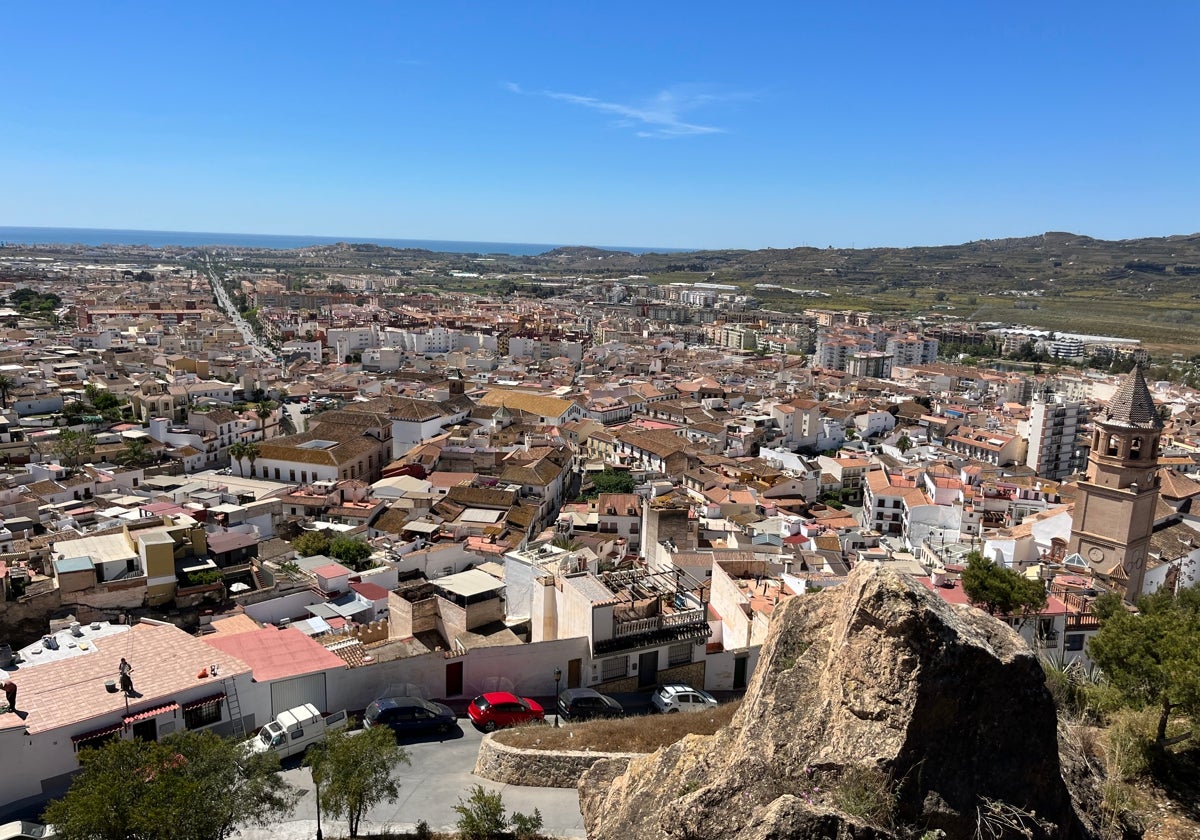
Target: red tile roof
[(204, 701), (97, 733), (153, 712), (370, 591)]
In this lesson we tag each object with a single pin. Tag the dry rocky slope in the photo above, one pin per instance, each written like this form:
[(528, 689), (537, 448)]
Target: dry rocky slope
[(878, 679)]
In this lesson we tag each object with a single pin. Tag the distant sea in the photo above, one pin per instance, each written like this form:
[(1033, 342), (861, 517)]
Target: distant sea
[(190, 239)]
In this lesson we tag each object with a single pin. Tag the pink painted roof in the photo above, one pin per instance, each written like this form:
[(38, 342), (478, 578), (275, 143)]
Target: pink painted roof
[(274, 654), (331, 571), (955, 595), (162, 507)]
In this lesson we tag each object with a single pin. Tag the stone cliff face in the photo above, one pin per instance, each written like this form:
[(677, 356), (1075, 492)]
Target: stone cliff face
[(876, 710)]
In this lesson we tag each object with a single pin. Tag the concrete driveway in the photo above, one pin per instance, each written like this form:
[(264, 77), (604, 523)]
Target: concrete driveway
[(430, 787)]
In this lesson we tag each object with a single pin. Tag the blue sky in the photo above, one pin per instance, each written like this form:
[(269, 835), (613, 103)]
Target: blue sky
[(642, 124)]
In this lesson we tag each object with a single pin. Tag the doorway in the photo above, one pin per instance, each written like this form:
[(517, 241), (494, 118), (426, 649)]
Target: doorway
[(574, 673), (739, 671), (454, 679), (648, 669), (146, 730)]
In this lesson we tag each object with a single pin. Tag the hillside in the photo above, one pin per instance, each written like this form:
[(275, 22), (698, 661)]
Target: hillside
[(1148, 289)]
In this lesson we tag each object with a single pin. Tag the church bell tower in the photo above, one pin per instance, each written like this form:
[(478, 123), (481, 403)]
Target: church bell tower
[(1114, 514)]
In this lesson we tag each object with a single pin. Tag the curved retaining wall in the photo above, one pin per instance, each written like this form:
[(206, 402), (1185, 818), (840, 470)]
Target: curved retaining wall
[(537, 768)]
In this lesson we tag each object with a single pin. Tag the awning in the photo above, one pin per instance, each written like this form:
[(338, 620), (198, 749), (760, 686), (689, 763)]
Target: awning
[(204, 701), (149, 713), (98, 733)]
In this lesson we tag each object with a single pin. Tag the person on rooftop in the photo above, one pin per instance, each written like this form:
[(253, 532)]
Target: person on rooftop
[(125, 669)]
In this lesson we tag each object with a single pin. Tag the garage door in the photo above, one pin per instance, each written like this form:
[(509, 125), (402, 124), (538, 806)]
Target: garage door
[(287, 694)]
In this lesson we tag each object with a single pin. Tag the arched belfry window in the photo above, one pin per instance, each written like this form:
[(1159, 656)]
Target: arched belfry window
[(1112, 445), (1135, 449)]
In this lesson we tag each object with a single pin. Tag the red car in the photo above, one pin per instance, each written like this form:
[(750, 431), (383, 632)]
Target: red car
[(499, 708)]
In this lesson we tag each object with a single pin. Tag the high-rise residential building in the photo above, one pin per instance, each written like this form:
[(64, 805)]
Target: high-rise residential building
[(1054, 425)]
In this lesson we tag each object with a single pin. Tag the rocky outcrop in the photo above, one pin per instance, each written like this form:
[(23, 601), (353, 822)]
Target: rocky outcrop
[(876, 710)]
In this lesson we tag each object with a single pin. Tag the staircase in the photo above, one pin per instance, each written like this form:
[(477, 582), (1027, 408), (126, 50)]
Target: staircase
[(235, 708)]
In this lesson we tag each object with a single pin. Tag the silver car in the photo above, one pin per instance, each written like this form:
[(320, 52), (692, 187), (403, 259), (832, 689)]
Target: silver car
[(682, 698)]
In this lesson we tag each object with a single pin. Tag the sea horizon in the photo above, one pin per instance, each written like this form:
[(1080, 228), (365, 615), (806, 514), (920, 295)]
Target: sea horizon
[(16, 235)]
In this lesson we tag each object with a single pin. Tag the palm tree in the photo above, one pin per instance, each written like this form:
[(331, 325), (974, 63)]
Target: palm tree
[(566, 542), (251, 455), (136, 453), (237, 452), (6, 383), (263, 409)]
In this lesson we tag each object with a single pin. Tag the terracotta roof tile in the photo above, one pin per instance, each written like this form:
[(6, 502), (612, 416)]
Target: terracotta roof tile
[(71, 691), (1132, 406)]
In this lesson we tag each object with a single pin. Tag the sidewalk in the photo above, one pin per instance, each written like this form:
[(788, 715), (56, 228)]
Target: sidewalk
[(438, 777)]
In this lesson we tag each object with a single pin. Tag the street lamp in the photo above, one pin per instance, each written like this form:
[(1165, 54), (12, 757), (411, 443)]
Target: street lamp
[(317, 782), (557, 677), (315, 760)]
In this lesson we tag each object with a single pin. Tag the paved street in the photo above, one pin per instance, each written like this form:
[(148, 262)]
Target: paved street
[(430, 787), (299, 420)]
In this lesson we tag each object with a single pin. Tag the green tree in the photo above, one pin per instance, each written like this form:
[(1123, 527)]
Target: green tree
[(6, 384), (237, 451), (349, 550), (190, 786), (1152, 656), (105, 401), (904, 444), (566, 543), (481, 816), (999, 589), (73, 446), (251, 454), (310, 543), (137, 453), (355, 771), (613, 481)]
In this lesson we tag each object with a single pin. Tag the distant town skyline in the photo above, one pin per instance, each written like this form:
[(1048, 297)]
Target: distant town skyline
[(670, 125)]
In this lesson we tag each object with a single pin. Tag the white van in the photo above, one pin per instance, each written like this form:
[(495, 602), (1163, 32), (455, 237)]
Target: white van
[(22, 830), (294, 731)]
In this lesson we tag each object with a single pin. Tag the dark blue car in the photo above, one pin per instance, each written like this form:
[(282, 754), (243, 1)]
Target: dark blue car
[(410, 715)]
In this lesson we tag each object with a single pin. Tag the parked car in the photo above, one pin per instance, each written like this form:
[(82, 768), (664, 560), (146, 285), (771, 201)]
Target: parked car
[(500, 708), (294, 731), (682, 698), (24, 830), (587, 703), (407, 715)]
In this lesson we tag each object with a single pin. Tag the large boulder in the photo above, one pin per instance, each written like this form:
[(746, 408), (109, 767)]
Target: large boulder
[(876, 710)]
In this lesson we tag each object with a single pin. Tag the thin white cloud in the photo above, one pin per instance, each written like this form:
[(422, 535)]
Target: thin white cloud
[(660, 116)]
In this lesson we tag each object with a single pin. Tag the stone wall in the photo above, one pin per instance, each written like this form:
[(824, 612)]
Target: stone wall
[(537, 768), (28, 617), (407, 618)]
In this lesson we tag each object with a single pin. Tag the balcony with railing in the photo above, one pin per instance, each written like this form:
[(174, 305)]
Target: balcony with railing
[(679, 626), (1084, 621)]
